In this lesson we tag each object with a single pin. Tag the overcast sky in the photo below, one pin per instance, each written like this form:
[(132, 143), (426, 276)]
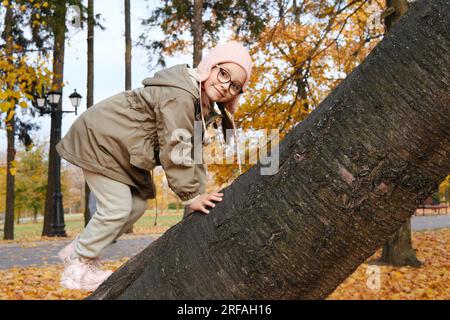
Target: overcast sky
[(109, 59)]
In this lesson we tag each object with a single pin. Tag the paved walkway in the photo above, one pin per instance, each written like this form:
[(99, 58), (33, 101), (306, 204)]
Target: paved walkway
[(419, 223), (44, 252)]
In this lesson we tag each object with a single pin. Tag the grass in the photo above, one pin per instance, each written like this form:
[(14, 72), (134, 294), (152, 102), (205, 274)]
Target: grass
[(74, 224)]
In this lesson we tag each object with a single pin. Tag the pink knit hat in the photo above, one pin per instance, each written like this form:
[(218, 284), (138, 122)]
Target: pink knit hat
[(231, 51)]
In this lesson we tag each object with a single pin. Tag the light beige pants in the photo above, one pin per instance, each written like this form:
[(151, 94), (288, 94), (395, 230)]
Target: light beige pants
[(118, 208)]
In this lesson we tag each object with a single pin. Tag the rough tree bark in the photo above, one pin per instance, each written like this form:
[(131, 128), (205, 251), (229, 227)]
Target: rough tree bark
[(349, 176), (398, 250)]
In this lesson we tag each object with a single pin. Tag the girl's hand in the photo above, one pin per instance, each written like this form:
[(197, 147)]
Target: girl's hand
[(205, 200)]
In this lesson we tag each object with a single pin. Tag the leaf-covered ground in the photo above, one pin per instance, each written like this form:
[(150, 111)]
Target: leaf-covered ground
[(431, 281), (38, 283)]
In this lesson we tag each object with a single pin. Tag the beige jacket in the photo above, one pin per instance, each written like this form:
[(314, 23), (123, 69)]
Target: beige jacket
[(125, 136)]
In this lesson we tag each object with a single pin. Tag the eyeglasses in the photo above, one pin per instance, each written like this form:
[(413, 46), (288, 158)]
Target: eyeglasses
[(224, 77)]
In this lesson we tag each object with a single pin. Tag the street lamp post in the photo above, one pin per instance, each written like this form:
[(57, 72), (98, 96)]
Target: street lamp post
[(52, 99)]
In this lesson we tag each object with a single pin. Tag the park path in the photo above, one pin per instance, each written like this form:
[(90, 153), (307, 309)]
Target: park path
[(40, 253), (44, 252)]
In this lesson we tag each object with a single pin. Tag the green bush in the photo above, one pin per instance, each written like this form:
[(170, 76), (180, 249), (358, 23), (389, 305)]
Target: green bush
[(172, 205)]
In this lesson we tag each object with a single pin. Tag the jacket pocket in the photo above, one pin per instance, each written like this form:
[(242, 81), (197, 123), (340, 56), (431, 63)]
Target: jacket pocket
[(142, 155)]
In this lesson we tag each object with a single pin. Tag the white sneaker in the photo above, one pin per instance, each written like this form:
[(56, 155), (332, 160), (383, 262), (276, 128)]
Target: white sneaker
[(65, 253), (83, 274)]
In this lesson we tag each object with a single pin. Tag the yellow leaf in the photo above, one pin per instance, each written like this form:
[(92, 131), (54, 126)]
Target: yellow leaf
[(10, 115), (15, 94), (5, 106)]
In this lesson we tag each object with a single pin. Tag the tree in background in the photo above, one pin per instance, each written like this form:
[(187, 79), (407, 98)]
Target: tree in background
[(20, 76), (72, 185), (92, 22), (31, 177), (2, 183), (186, 25), (31, 180), (444, 191), (89, 92)]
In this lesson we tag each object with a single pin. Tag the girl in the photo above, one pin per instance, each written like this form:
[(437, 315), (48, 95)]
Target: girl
[(118, 141)]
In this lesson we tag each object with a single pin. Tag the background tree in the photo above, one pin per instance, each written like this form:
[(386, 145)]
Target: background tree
[(72, 184), (348, 178), (19, 78), (179, 22), (197, 32), (10, 128), (128, 49), (90, 91), (444, 190), (31, 179), (2, 183)]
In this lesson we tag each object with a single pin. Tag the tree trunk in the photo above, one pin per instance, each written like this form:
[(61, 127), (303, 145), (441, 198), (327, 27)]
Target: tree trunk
[(197, 32), (90, 94), (398, 251), (197, 36), (349, 176), (127, 46), (10, 134), (10, 178), (128, 59), (59, 33)]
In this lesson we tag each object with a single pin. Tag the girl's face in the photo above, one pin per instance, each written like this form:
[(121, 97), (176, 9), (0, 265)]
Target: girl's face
[(216, 90)]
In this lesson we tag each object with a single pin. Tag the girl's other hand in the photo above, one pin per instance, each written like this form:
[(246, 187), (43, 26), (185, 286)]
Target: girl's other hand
[(205, 200)]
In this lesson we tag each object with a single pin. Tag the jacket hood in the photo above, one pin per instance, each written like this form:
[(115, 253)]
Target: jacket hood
[(176, 76)]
